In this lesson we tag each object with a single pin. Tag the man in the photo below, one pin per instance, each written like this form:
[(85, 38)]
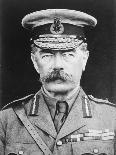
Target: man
[(60, 119)]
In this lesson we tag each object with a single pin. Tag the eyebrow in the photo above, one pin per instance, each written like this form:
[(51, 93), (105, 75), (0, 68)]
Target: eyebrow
[(54, 51)]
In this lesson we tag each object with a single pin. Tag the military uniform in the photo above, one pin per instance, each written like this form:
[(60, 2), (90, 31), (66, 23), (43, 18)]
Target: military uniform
[(92, 133), (27, 126)]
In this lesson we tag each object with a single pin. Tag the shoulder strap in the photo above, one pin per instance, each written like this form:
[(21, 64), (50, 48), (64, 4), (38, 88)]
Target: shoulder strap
[(20, 112), (15, 102), (102, 101)]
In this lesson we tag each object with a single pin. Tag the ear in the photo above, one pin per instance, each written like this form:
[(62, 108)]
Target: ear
[(85, 58), (33, 58)]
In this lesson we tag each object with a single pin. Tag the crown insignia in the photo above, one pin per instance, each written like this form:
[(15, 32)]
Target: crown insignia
[(57, 27)]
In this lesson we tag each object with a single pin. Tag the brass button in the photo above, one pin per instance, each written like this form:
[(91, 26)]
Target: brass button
[(59, 143), (95, 150), (20, 152)]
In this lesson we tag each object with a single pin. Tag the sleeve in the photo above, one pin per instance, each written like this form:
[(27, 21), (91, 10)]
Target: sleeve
[(2, 135)]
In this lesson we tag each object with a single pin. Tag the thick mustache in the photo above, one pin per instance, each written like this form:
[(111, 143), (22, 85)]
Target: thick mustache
[(56, 74)]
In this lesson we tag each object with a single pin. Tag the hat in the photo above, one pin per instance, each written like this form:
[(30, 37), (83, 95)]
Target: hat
[(58, 29)]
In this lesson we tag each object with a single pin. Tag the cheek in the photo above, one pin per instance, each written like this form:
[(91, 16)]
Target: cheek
[(76, 69), (40, 66), (76, 65), (43, 69)]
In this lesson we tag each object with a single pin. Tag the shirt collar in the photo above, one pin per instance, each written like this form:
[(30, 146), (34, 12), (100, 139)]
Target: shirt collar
[(51, 101)]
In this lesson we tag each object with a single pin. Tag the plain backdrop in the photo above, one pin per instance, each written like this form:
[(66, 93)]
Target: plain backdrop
[(17, 75)]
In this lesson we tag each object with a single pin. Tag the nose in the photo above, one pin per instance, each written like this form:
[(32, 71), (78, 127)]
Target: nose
[(58, 63)]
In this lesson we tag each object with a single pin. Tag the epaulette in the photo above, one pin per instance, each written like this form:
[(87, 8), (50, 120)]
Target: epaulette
[(18, 101), (101, 101)]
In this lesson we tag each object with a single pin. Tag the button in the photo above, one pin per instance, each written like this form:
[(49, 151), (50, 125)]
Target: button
[(59, 143), (20, 152), (95, 150)]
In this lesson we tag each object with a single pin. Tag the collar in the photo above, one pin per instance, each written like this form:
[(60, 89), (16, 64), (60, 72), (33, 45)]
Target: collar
[(41, 97), (51, 101)]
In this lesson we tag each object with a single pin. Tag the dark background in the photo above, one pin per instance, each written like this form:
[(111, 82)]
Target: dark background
[(18, 77)]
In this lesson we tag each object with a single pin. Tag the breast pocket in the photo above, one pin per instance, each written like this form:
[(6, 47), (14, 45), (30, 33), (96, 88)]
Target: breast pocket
[(93, 147), (22, 149)]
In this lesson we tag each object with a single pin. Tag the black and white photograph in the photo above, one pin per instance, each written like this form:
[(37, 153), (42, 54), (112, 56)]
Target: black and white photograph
[(58, 77)]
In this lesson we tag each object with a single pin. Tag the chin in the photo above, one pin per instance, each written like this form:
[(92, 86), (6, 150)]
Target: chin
[(59, 87)]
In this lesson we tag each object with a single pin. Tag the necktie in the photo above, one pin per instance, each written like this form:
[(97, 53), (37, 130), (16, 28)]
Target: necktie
[(60, 114)]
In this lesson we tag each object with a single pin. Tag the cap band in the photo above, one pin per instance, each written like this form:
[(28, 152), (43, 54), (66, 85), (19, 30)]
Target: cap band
[(57, 30)]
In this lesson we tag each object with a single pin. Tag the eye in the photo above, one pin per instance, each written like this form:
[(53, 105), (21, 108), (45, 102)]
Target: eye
[(69, 54), (46, 56)]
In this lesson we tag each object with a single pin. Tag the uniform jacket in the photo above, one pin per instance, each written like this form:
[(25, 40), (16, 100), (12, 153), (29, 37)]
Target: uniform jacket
[(88, 130)]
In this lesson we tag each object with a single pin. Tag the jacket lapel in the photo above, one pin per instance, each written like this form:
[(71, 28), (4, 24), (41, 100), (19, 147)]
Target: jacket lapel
[(42, 119), (75, 120)]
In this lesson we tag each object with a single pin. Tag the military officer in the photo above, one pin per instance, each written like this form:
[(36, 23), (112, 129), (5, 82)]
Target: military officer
[(60, 119)]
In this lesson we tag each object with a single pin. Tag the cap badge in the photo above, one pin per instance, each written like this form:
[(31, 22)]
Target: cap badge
[(57, 27)]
